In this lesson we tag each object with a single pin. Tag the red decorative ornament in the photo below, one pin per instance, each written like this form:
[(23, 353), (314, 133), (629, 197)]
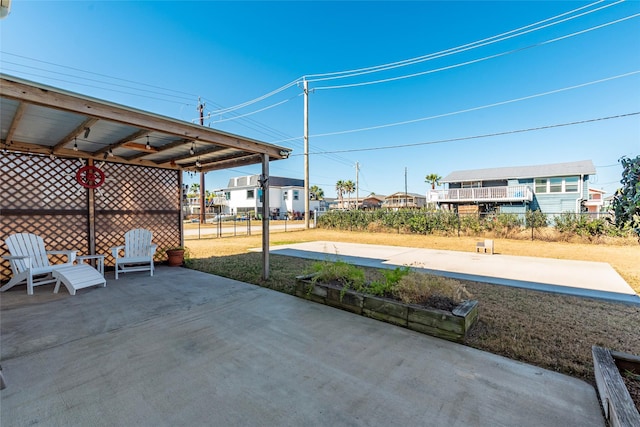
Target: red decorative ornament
[(90, 176)]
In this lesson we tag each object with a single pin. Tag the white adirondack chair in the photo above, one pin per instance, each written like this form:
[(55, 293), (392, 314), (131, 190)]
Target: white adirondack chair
[(30, 263), (138, 252)]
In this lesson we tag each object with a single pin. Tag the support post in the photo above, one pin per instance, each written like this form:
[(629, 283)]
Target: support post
[(92, 216), (264, 184), (203, 217)]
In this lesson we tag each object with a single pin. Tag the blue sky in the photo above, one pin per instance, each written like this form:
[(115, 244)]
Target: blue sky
[(161, 56)]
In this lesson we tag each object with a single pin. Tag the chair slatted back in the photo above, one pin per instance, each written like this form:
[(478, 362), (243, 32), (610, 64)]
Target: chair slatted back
[(137, 242), (27, 244)]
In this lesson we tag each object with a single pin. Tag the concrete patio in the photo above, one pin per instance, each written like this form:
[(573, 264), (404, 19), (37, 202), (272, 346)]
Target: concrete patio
[(189, 348)]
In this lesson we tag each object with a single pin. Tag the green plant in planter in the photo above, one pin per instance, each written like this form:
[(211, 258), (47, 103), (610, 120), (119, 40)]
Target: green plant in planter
[(391, 279), (417, 288), (347, 275)]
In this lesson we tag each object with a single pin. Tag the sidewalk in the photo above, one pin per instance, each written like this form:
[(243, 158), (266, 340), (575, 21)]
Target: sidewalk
[(580, 278)]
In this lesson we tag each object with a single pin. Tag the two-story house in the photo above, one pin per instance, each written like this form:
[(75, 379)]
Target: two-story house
[(595, 203), (551, 188), (243, 195), (402, 200)]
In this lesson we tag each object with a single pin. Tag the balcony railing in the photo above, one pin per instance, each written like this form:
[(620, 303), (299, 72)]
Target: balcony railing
[(515, 193)]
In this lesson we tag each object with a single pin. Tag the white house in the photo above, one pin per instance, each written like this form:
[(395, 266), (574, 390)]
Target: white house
[(243, 195)]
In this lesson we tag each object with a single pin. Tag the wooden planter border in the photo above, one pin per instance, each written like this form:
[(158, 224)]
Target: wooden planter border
[(617, 404), (452, 326)]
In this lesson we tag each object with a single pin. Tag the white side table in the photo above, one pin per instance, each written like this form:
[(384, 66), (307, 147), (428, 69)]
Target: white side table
[(99, 261)]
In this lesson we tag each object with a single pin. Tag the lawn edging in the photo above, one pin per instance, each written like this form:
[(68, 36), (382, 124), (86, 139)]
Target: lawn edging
[(452, 326)]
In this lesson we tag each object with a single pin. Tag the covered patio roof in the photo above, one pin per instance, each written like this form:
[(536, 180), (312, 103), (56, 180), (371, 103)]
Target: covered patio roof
[(35, 118)]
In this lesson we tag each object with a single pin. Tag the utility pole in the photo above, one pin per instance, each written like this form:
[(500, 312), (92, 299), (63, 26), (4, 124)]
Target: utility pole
[(357, 184), (202, 192), (306, 154), (406, 202)]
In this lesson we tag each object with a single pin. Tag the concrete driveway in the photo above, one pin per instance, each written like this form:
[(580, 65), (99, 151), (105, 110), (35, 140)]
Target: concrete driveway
[(579, 278), (189, 348)]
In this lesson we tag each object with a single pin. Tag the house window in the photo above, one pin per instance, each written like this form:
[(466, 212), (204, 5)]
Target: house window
[(285, 195), (472, 184), (541, 185), (227, 195), (555, 185), (567, 184), (295, 195), (571, 184), (251, 194)]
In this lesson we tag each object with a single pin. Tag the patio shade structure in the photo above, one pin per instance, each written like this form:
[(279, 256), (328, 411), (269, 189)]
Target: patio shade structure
[(40, 119)]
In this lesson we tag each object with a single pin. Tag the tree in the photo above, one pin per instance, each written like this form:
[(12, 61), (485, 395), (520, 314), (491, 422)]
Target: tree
[(433, 179), (316, 192), (194, 190), (350, 187), (626, 202), (340, 191)]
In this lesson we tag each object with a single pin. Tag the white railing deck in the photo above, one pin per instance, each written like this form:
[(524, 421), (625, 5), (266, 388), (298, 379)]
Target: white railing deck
[(514, 193)]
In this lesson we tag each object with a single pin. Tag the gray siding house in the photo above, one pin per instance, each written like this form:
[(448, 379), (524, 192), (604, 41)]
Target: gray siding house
[(552, 189)]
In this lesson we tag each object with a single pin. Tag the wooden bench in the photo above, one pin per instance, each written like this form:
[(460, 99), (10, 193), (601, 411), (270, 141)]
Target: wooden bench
[(487, 244), (78, 277)]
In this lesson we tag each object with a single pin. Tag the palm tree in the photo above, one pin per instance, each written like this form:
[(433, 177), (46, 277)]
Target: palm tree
[(317, 192), (340, 191), (433, 179), (349, 187), (194, 190)]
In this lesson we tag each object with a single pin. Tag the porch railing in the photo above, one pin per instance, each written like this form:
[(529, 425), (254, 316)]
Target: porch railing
[(514, 193)]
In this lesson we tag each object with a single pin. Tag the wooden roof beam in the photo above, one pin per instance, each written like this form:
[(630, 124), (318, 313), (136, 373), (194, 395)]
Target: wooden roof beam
[(127, 139), (74, 133), (16, 121)]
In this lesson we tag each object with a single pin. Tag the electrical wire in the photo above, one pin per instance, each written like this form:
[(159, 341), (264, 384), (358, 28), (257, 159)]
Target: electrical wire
[(477, 60), (467, 110), (464, 138), (253, 112), (258, 99), (93, 86), (479, 43), (448, 52), (351, 73), (91, 72)]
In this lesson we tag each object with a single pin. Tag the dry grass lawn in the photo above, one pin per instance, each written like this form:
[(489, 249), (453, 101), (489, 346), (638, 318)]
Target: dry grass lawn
[(548, 330)]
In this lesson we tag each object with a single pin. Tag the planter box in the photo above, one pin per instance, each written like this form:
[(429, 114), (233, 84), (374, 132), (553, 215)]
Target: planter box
[(619, 409), (452, 326)]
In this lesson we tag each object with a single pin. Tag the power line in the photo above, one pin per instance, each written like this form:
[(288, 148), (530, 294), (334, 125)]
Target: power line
[(480, 43), (388, 147), (467, 110), (253, 112), (95, 87), (477, 60), (448, 52), (458, 49), (91, 72)]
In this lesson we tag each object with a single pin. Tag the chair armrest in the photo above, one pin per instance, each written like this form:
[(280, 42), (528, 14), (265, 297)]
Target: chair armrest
[(13, 258), (10, 257), (152, 249), (115, 250), (71, 254)]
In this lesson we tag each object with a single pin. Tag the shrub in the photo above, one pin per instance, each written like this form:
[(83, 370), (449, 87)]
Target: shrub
[(417, 288), (346, 274), (391, 279)]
